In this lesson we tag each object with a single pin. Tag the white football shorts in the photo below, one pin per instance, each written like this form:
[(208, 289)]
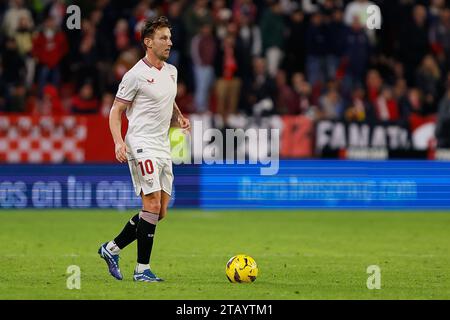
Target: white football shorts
[(151, 175)]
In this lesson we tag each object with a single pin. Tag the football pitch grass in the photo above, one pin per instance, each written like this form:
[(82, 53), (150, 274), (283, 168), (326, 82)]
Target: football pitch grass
[(301, 254)]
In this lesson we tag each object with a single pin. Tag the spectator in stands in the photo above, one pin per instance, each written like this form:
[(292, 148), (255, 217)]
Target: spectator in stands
[(400, 91), (97, 50), (14, 74), (336, 37), (316, 50), (85, 102), (177, 32), (398, 70), (249, 45), (443, 118), (329, 7), (295, 44), (221, 16), (124, 62), (285, 96), (262, 87), (14, 71), (105, 37), (303, 92), (17, 98), (106, 104), (435, 9), (87, 52), (184, 100), (228, 85), (439, 37), (121, 35), (203, 51), (331, 104), (196, 15), (357, 55), (357, 9), (400, 88), (57, 10), (374, 84), (50, 103), (412, 104), (273, 32), (358, 109), (49, 47), (24, 40), (386, 106), (143, 10), (428, 80), (413, 42), (13, 16), (309, 7), (244, 8)]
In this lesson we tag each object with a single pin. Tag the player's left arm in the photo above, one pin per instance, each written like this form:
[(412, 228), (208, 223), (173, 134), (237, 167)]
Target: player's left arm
[(178, 120)]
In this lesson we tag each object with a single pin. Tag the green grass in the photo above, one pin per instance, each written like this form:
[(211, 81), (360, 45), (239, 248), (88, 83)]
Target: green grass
[(301, 254)]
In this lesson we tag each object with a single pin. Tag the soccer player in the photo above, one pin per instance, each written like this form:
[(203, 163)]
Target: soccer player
[(147, 94)]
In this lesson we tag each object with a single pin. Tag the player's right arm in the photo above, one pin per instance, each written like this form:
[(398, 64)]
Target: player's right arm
[(115, 125), (126, 92)]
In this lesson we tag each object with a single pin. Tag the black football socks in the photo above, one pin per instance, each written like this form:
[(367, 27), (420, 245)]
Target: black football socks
[(128, 234), (145, 233)]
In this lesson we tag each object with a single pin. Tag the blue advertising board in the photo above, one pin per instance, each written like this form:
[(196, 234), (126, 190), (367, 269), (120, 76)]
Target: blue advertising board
[(84, 186), (298, 184), (329, 184)]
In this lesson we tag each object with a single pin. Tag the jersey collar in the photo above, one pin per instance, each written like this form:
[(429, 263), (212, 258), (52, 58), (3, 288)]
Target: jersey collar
[(144, 59)]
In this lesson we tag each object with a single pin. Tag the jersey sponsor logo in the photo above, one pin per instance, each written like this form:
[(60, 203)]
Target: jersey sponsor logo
[(139, 150)]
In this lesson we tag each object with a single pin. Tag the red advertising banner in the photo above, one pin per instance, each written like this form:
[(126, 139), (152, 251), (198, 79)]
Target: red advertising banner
[(296, 137), (56, 139), (87, 138)]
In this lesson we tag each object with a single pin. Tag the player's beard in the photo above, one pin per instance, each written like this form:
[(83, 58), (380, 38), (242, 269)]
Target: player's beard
[(163, 57)]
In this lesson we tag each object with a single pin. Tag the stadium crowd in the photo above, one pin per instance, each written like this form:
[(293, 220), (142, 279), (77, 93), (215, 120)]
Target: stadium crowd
[(311, 57)]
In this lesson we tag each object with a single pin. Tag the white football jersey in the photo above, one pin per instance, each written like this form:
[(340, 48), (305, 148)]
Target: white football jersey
[(151, 95)]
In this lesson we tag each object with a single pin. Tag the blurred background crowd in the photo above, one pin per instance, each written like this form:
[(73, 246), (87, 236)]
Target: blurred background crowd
[(255, 57)]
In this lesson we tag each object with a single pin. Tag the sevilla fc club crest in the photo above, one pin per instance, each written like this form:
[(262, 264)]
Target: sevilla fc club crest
[(150, 182)]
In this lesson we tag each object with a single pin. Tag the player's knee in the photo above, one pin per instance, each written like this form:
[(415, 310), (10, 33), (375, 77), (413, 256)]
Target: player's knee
[(152, 206)]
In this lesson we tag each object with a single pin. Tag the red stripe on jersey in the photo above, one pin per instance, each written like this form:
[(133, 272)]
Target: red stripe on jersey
[(122, 100)]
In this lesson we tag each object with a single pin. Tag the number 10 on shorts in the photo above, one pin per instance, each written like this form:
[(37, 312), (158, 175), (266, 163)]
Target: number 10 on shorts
[(146, 167)]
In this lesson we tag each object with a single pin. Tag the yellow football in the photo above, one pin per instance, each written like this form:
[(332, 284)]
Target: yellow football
[(241, 269)]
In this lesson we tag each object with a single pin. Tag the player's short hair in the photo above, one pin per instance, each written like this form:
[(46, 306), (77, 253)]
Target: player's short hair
[(151, 25)]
